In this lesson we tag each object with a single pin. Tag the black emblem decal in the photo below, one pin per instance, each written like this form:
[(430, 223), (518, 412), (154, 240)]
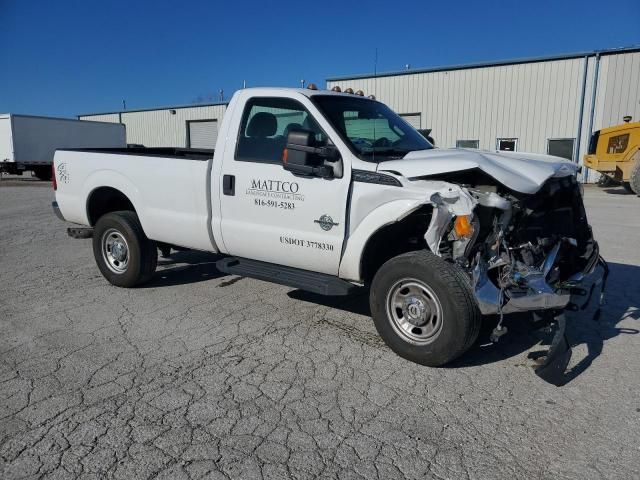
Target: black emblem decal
[(326, 222)]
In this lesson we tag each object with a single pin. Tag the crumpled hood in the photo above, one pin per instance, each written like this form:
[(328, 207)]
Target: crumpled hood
[(522, 172)]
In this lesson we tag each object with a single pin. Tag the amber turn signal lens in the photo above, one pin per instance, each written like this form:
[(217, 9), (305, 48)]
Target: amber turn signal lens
[(463, 226)]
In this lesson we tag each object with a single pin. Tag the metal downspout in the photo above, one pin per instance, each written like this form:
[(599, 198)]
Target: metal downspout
[(583, 94), (594, 93)]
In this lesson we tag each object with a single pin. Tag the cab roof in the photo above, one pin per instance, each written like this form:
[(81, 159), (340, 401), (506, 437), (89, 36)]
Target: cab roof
[(307, 92)]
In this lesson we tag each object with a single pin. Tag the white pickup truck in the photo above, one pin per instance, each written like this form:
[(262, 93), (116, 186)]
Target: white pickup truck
[(327, 192)]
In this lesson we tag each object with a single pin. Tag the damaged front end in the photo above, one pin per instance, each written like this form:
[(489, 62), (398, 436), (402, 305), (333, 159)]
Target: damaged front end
[(522, 252)]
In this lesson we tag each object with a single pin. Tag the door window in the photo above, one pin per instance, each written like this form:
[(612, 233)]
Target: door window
[(507, 144), (266, 123)]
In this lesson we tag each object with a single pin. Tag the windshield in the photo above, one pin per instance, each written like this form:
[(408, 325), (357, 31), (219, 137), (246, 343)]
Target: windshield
[(372, 130)]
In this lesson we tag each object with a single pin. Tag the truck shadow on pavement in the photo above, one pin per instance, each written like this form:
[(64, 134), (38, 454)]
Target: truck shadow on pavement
[(585, 327), (617, 191), (184, 267)]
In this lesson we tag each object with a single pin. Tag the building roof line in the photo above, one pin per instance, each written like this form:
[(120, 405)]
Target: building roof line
[(496, 63), (170, 107)]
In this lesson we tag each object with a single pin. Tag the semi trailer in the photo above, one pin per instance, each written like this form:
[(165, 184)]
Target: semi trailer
[(28, 142)]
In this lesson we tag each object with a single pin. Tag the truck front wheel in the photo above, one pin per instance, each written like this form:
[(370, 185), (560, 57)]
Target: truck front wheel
[(423, 308), (124, 254)]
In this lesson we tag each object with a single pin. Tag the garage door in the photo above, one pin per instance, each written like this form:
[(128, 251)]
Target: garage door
[(412, 119), (202, 133)]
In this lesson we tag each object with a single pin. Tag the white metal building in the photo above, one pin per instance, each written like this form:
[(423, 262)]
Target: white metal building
[(191, 126), (539, 105)]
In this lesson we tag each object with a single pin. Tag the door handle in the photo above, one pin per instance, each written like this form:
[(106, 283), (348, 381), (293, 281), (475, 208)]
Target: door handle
[(229, 184)]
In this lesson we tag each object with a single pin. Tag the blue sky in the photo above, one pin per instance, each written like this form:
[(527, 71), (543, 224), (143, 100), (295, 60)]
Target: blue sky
[(67, 57)]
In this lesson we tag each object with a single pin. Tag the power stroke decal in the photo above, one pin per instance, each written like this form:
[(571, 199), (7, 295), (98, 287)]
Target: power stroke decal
[(63, 173)]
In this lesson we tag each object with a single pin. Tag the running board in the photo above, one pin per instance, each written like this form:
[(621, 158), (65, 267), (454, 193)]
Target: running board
[(80, 232), (320, 283)]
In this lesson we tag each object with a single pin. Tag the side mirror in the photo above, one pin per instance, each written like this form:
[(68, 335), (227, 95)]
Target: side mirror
[(301, 156)]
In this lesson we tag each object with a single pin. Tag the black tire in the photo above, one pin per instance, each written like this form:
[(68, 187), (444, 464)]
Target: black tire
[(634, 181), (139, 263), (43, 173), (441, 285), (627, 187)]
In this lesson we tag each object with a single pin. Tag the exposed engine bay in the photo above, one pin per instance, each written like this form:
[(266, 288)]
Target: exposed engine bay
[(522, 252)]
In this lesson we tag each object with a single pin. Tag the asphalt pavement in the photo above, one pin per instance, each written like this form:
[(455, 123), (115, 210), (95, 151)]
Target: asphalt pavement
[(201, 375)]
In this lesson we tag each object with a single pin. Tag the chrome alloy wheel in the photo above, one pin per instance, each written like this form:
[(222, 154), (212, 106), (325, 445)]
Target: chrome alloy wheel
[(115, 251), (415, 311)]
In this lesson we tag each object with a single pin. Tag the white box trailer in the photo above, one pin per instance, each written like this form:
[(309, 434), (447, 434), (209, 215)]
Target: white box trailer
[(28, 142)]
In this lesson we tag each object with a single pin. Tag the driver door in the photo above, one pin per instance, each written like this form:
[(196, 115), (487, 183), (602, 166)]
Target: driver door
[(270, 214)]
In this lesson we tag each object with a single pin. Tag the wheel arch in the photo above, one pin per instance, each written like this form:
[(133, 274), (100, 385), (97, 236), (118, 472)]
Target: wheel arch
[(103, 184), (105, 199), (368, 247)]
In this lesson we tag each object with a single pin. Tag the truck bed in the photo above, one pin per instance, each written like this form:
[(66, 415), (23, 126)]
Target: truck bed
[(170, 188), (166, 152)]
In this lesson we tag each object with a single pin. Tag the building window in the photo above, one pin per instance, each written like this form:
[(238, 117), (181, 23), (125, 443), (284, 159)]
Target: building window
[(265, 126), (561, 147), (507, 144), (412, 119), (467, 143)]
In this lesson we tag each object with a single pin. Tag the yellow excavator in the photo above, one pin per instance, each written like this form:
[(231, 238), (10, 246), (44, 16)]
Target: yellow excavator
[(615, 153)]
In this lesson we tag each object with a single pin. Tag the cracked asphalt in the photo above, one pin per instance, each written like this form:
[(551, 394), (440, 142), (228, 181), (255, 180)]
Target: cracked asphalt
[(200, 375)]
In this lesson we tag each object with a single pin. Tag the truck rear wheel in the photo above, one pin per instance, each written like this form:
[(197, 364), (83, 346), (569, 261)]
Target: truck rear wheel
[(423, 308), (124, 254)]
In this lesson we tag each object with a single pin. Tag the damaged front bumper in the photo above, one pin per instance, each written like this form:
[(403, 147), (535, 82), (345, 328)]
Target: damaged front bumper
[(522, 252), (573, 293)]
